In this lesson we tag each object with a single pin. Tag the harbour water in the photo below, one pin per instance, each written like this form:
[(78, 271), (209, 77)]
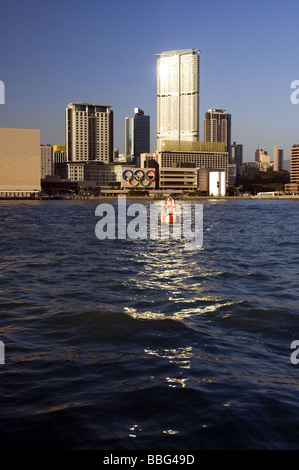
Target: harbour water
[(141, 344)]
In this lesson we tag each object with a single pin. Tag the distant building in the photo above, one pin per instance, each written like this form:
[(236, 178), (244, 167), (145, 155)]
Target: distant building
[(294, 174), (293, 186), (89, 132), (20, 162), (178, 95), (115, 154), (46, 155), (217, 128), (59, 156), (137, 133), (249, 167), (278, 158), (263, 159), (237, 155), (259, 154), (232, 174)]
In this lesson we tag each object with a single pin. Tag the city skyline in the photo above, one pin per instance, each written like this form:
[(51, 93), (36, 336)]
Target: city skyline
[(247, 64)]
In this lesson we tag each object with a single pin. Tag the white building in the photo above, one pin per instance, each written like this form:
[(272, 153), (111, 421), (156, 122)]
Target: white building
[(178, 95)]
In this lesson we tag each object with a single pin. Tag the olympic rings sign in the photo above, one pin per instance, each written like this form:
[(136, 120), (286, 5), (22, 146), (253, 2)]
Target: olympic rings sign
[(144, 178)]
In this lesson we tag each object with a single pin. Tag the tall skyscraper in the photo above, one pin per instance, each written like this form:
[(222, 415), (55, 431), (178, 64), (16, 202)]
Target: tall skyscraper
[(278, 158), (294, 174), (89, 132), (178, 96), (217, 128), (137, 133)]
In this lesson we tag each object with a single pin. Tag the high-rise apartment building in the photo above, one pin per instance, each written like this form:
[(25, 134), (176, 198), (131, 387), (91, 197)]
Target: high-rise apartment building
[(217, 128), (46, 155), (294, 174), (137, 133), (178, 96), (89, 132), (278, 158), (293, 185)]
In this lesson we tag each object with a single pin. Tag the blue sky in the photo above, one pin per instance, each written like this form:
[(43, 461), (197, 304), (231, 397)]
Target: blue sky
[(56, 52)]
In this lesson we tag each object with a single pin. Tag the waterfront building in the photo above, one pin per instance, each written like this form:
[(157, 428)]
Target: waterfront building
[(178, 163), (20, 162), (217, 128), (212, 182), (137, 133), (278, 158), (46, 155), (294, 174), (89, 132), (178, 95), (293, 186)]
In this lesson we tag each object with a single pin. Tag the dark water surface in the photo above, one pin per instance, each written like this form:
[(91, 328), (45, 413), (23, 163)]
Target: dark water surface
[(122, 344)]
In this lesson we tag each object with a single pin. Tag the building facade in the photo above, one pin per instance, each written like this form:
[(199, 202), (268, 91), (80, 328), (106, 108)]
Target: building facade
[(180, 162), (293, 185), (59, 156), (217, 128), (294, 174), (46, 155), (89, 133), (278, 158), (20, 161), (178, 95), (137, 138), (237, 155)]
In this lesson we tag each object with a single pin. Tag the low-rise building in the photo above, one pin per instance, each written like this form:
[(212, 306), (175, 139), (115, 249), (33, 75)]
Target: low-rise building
[(20, 162)]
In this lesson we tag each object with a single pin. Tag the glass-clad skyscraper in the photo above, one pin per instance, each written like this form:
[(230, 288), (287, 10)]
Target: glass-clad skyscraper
[(137, 133), (178, 96)]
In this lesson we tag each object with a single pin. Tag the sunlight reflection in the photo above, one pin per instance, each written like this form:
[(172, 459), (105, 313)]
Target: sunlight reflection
[(181, 356), (181, 315)]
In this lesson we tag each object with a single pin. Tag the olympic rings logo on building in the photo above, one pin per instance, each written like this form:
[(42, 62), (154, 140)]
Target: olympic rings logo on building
[(144, 178)]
